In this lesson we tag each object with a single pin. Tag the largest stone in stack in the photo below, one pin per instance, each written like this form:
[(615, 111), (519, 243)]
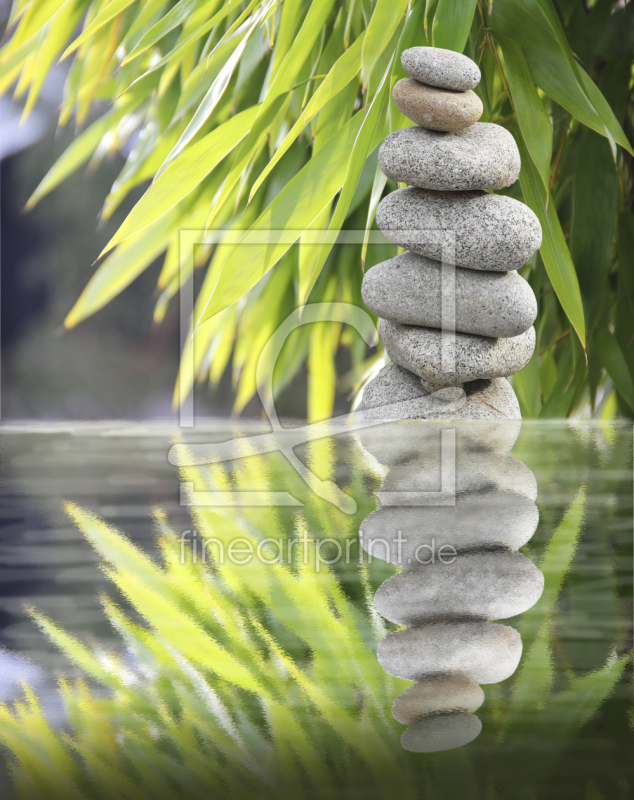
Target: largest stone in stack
[(447, 215)]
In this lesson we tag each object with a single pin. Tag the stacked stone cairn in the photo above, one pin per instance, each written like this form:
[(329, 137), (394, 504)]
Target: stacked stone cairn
[(461, 570), (450, 163)]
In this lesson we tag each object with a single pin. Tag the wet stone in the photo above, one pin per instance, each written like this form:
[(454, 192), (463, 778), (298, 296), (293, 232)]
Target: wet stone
[(397, 393), (482, 156), (469, 357), (437, 109), (485, 586), (485, 231), (482, 651), (409, 289), (443, 693), (443, 68)]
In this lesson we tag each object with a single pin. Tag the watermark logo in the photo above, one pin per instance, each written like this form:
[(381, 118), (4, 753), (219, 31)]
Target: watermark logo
[(285, 440)]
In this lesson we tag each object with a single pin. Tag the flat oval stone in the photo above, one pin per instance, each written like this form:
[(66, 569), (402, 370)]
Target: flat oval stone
[(436, 109), (482, 156), (403, 535), (485, 231), (484, 652), (438, 67), (441, 693), (419, 351), (472, 472), (444, 732), (396, 393), (396, 441), (486, 586), (409, 289)]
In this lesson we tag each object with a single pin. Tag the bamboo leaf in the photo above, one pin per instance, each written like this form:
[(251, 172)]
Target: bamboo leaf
[(294, 208), (110, 11), (343, 71), (552, 66), (385, 19), (183, 175), (53, 37), (595, 196), (79, 151), (123, 266), (452, 23), (368, 137), (177, 15), (532, 120), (615, 363), (554, 250)]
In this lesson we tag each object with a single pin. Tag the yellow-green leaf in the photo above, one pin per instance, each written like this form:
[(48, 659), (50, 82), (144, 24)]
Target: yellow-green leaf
[(294, 208), (384, 21), (452, 23), (105, 15), (532, 119), (554, 249), (183, 175)]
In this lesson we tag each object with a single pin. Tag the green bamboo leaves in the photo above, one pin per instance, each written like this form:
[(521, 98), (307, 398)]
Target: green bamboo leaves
[(184, 174), (284, 220), (532, 120), (452, 22), (385, 19), (279, 107)]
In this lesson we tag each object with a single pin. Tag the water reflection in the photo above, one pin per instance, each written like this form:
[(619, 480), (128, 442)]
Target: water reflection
[(461, 568)]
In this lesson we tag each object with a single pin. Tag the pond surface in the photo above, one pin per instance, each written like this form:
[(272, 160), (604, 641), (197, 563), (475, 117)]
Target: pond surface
[(556, 722)]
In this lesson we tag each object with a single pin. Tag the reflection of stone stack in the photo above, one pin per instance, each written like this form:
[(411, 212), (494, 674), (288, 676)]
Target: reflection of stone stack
[(445, 215), (461, 570)]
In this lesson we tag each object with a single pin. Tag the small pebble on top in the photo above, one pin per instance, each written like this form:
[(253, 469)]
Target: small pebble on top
[(444, 69)]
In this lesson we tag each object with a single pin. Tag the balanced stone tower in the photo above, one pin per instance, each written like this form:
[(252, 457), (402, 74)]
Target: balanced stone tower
[(447, 216)]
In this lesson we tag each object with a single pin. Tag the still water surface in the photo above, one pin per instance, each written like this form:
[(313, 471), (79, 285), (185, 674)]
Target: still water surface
[(559, 726)]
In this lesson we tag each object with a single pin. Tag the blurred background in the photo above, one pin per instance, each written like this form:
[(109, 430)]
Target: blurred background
[(119, 364)]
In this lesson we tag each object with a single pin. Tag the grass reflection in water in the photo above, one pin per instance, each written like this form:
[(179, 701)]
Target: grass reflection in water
[(261, 678)]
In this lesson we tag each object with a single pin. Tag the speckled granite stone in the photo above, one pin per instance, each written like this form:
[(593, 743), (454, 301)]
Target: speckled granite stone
[(442, 732), (434, 695), (484, 652), (443, 68), (407, 289), (402, 391), (436, 109), (492, 519), (482, 156), (419, 351), (484, 586), (492, 232)]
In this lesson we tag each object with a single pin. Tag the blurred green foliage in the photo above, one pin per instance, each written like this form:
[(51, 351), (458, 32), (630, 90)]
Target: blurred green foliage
[(267, 115)]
